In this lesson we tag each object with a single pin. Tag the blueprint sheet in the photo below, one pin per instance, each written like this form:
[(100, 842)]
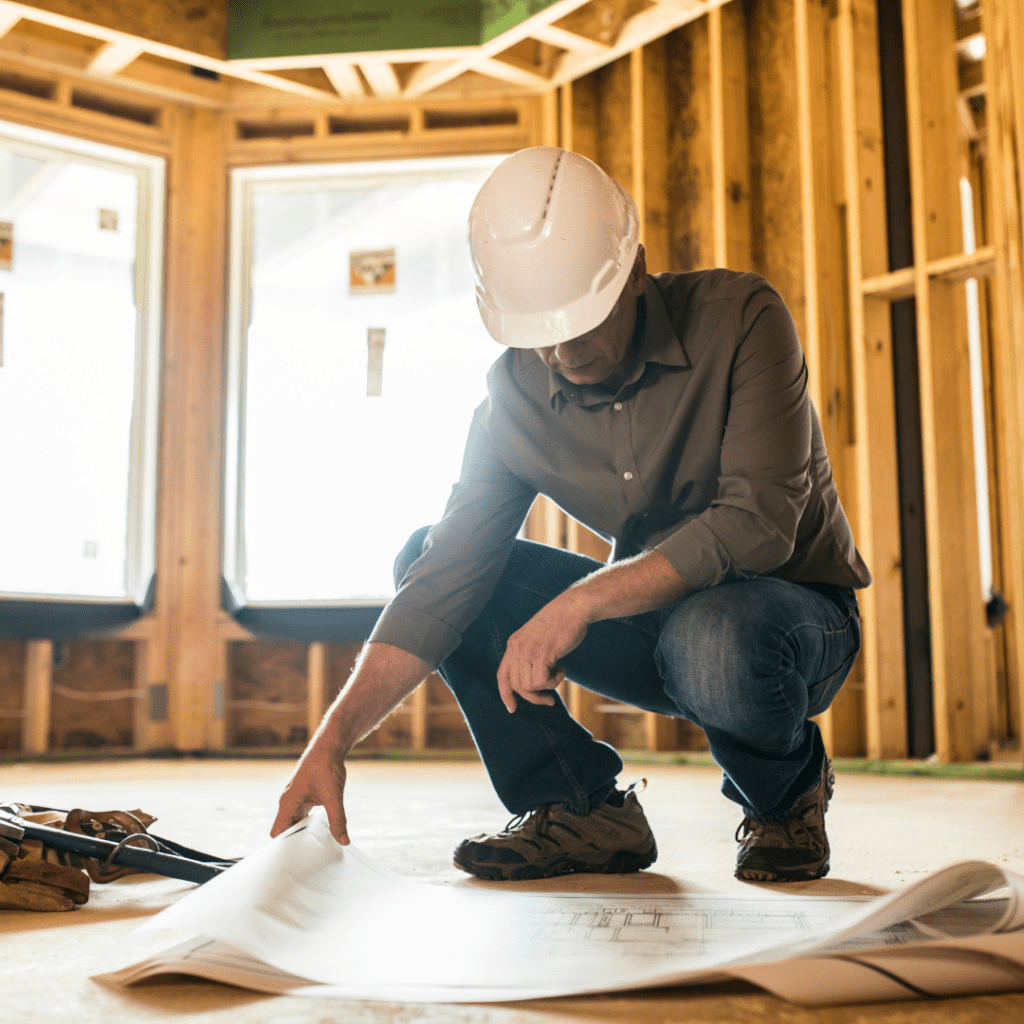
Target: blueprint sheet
[(305, 916)]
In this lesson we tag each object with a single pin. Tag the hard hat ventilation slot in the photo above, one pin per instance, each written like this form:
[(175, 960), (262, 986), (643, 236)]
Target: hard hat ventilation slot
[(551, 186)]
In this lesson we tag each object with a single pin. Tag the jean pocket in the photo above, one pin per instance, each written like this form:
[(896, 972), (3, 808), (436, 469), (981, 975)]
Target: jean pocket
[(821, 694)]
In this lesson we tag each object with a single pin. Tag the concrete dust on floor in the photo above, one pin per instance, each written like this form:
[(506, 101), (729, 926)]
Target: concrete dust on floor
[(885, 832)]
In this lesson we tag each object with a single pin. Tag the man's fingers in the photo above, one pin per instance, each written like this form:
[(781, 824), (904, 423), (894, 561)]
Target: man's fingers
[(339, 826), (505, 687), (538, 697), (288, 814)]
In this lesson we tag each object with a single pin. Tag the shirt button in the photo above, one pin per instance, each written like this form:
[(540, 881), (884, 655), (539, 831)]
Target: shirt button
[(627, 475), (617, 407)]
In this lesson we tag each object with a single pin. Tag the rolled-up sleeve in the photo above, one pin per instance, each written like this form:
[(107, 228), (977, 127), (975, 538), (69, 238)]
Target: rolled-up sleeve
[(463, 556), (750, 527)]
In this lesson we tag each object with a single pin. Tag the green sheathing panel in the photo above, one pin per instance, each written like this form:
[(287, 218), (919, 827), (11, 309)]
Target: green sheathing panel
[(290, 28), (497, 16)]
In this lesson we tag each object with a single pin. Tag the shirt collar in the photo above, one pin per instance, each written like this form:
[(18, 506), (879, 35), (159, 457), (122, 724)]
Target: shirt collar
[(658, 343)]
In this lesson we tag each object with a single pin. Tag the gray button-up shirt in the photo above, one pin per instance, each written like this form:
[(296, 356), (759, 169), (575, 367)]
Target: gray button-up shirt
[(711, 453)]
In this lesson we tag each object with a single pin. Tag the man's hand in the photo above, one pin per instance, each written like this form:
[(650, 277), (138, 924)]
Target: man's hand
[(631, 587), (318, 780), (382, 678), (530, 667)]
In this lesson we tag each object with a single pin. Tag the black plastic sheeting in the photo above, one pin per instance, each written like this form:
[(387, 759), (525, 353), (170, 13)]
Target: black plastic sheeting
[(64, 620), (315, 623)]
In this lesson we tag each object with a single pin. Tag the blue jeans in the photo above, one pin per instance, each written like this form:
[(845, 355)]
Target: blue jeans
[(749, 662)]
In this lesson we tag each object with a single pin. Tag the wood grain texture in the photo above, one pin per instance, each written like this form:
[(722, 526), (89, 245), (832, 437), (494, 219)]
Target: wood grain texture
[(12, 693), (197, 25), (35, 736), (957, 611), (691, 225), (874, 485), (267, 673), (1006, 215), (188, 573), (777, 235), (101, 667)]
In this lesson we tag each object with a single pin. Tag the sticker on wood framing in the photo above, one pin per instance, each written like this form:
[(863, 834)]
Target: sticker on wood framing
[(374, 362), (108, 220), (6, 245), (371, 271)]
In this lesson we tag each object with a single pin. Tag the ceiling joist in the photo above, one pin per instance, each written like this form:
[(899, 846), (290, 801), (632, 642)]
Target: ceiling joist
[(567, 39)]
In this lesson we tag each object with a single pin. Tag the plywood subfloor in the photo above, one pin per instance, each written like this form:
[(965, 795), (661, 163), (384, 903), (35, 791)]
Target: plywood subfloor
[(885, 832)]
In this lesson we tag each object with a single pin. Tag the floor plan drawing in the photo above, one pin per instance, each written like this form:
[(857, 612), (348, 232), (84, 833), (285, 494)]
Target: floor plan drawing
[(305, 916)]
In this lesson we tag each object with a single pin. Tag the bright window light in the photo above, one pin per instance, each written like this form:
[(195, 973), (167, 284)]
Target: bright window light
[(977, 397), (76, 470), (354, 385)]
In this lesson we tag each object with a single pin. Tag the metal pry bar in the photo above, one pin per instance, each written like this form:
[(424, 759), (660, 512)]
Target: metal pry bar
[(156, 861)]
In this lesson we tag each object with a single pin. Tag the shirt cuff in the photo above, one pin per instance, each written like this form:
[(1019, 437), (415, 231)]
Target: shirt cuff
[(698, 555), (415, 632)]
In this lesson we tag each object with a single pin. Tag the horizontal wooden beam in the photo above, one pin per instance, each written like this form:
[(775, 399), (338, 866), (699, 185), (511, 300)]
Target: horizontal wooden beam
[(899, 284), (648, 25), (114, 56), (11, 13), (8, 19), (565, 40), (316, 60), (419, 85), (505, 72)]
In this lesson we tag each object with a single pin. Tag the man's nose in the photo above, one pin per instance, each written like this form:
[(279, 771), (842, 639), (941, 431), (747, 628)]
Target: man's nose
[(569, 351)]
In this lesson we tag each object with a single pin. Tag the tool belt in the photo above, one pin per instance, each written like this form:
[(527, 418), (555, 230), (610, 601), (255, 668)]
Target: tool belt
[(48, 857)]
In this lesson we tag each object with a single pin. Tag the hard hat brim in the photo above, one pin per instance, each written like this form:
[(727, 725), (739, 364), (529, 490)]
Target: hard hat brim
[(544, 329)]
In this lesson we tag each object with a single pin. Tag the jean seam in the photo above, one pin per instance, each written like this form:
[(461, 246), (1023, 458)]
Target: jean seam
[(803, 625), (549, 735), (564, 765)]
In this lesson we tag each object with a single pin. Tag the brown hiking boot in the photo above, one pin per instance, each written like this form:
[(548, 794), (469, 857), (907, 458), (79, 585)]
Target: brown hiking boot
[(553, 841), (790, 848)]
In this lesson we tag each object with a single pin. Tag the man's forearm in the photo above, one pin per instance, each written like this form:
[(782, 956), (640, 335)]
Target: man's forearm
[(382, 678), (630, 587)]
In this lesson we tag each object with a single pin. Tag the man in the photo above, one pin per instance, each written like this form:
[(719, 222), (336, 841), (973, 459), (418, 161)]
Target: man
[(670, 414)]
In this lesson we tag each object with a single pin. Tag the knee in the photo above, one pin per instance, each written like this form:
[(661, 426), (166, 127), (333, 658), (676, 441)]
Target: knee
[(708, 658), (412, 550)]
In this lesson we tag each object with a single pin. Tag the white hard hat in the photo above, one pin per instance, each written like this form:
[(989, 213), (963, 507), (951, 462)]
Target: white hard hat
[(553, 240)]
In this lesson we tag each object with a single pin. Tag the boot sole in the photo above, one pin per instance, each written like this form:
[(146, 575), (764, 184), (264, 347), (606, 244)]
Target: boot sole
[(624, 862), (777, 875)]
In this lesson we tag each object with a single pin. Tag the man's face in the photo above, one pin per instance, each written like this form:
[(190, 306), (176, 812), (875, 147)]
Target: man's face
[(601, 356)]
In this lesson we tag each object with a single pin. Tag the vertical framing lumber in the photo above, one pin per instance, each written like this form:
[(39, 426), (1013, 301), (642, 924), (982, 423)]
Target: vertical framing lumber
[(149, 732), (735, 137), (1004, 105), (35, 734), (418, 723), (565, 109), (636, 136), (689, 145), (657, 200), (316, 686), (659, 731), (877, 484), (720, 256), (549, 118), (812, 347), (954, 588), (810, 334), (188, 574)]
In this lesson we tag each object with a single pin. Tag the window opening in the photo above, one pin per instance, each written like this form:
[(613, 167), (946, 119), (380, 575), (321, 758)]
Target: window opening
[(357, 357), (80, 236)]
